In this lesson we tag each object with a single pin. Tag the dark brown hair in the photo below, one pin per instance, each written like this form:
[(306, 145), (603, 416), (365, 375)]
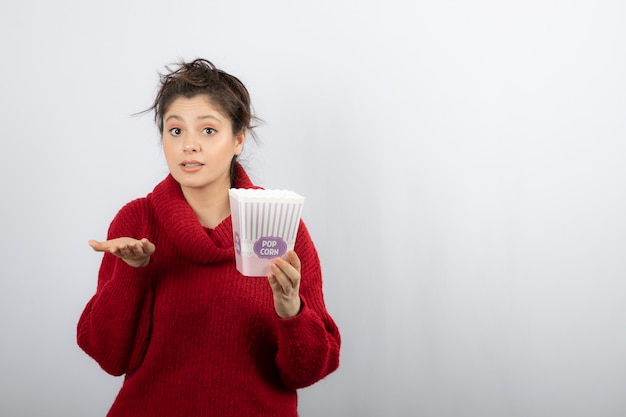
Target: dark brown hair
[(201, 77)]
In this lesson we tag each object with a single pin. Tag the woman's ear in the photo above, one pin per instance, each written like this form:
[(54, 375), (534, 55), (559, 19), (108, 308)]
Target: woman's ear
[(239, 141)]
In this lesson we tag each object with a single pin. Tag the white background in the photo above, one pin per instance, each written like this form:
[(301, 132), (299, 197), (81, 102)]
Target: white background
[(463, 165)]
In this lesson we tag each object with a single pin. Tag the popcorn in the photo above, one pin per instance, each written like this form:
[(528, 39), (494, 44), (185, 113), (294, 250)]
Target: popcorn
[(265, 225)]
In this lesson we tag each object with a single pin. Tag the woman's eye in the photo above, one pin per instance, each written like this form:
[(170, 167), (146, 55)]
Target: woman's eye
[(175, 131), (208, 131)]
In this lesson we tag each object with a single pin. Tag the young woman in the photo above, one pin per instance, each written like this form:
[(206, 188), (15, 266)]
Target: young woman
[(192, 336)]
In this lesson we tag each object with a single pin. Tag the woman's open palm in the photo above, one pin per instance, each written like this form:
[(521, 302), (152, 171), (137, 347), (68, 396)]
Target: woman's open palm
[(132, 251)]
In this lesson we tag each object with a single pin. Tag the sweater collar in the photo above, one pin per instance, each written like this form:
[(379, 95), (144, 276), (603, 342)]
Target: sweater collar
[(183, 228)]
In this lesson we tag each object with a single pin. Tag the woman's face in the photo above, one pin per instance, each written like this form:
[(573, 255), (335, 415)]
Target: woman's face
[(199, 144)]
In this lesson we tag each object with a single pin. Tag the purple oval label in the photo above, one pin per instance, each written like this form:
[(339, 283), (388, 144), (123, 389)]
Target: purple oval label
[(270, 247)]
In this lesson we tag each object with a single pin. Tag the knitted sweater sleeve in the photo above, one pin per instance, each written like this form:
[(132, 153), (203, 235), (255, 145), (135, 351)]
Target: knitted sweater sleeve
[(309, 343), (115, 325)]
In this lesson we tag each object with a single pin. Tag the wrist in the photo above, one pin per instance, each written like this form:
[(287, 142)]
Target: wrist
[(291, 311), (138, 263)]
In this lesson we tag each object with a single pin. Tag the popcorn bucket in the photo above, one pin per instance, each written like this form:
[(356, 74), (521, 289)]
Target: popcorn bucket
[(265, 225)]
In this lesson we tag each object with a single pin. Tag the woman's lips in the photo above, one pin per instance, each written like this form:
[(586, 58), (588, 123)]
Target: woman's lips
[(191, 166)]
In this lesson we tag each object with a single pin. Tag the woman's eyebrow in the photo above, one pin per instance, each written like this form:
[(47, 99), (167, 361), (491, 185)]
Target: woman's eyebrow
[(173, 116), (209, 116), (179, 118)]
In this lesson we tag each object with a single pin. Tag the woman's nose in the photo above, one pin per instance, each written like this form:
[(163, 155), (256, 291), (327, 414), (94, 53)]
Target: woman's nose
[(191, 147)]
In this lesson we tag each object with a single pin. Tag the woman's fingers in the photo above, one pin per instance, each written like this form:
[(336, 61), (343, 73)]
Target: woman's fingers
[(148, 247), (286, 274), (284, 282), (293, 259), (97, 246), (284, 278)]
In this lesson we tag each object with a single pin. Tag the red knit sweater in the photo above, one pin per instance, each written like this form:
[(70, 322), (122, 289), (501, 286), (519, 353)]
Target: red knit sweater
[(193, 336)]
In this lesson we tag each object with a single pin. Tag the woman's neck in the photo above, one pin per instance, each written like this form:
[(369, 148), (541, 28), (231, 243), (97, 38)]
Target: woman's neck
[(211, 206)]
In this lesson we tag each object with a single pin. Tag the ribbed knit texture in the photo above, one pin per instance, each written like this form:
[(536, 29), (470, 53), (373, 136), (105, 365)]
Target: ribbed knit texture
[(191, 334)]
